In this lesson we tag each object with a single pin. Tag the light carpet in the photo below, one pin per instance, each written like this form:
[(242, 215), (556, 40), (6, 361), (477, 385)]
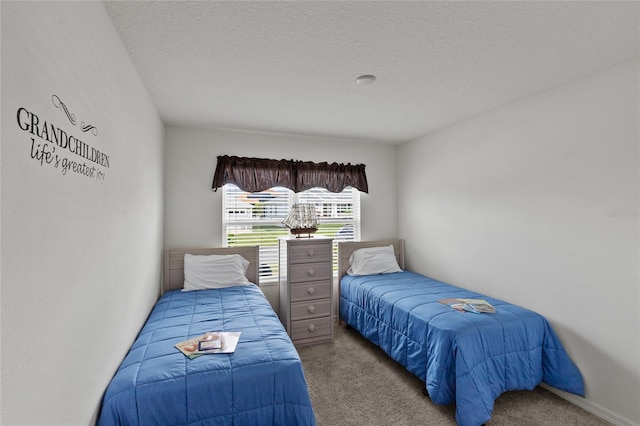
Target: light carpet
[(353, 382)]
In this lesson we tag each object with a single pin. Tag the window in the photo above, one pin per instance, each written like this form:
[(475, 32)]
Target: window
[(256, 219)]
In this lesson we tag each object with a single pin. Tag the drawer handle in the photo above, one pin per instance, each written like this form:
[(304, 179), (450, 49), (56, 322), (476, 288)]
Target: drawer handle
[(311, 253), (311, 272), (312, 328), (311, 309), (311, 290)]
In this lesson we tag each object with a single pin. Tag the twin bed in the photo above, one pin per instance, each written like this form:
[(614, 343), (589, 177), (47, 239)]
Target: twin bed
[(464, 358), (261, 383)]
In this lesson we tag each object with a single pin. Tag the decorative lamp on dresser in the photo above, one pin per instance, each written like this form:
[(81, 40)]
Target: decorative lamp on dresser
[(306, 288)]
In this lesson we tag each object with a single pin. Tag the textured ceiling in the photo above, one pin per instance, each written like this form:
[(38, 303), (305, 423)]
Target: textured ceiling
[(290, 67)]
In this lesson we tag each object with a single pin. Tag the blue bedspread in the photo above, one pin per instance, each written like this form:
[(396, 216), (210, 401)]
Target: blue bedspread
[(261, 383), (464, 358)]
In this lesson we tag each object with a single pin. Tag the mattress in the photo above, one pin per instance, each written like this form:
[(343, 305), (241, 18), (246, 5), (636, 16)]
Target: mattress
[(464, 358), (261, 383)]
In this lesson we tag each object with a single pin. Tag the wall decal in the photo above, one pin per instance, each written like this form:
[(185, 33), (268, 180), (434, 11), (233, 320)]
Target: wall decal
[(72, 117), (59, 104), (51, 145), (89, 127)]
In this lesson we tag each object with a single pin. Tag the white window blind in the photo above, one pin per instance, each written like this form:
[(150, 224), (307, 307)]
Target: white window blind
[(256, 219)]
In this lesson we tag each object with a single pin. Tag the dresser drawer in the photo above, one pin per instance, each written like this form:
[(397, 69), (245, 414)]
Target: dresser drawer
[(311, 328), (305, 253), (312, 290), (310, 309), (310, 271)]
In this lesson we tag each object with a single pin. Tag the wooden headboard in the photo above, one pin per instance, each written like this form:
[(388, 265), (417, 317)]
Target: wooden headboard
[(345, 249), (173, 277)]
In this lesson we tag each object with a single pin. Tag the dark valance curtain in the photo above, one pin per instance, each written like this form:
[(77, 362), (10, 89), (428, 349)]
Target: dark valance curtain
[(259, 174)]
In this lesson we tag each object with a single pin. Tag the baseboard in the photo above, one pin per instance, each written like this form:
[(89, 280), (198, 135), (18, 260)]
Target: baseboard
[(592, 407)]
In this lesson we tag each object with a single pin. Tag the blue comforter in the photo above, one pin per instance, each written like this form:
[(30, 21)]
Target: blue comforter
[(464, 358), (261, 383)]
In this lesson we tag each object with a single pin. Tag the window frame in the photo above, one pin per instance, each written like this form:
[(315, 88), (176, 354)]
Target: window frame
[(348, 225)]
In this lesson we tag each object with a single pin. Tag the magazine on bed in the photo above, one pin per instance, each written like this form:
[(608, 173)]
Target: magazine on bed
[(213, 342), (476, 306)]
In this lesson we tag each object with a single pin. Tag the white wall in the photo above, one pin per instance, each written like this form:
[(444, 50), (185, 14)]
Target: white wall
[(537, 204), (193, 211), (80, 259)]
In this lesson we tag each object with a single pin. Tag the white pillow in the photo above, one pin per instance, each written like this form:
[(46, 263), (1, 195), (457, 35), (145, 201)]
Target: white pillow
[(373, 260), (214, 271)]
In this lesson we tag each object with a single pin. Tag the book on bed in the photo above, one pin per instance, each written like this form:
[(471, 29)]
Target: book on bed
[(225, 343), (476, 306)]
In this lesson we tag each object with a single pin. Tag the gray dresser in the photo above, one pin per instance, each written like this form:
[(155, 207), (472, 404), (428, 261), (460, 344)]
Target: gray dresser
[(306, 288)]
